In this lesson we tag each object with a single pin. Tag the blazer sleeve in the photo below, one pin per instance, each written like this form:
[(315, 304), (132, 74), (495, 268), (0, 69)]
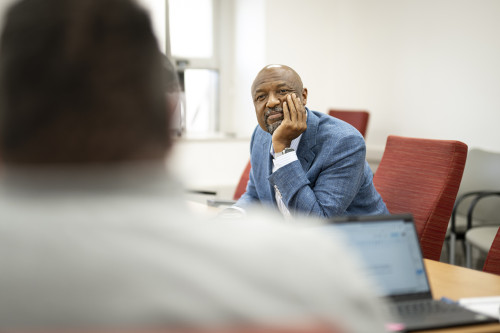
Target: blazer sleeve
[(335, 180)]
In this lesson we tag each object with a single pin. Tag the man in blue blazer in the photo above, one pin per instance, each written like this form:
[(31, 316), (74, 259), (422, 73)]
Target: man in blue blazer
[(305, 162)]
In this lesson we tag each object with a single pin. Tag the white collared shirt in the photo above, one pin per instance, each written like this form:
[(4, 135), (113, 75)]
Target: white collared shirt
[(280, 162)]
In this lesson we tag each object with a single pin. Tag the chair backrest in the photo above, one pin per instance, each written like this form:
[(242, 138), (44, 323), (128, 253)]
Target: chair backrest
[(242, 184), (422, 177), (492, 263), (357, 118)]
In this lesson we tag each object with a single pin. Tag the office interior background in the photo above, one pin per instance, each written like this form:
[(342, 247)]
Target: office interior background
[(422, 68)]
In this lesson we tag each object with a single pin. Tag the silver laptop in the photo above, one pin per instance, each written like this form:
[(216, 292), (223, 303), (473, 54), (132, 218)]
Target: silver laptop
[(389, 248)]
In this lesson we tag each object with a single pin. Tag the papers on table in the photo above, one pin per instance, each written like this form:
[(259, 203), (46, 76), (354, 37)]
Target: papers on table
[(489, 306)]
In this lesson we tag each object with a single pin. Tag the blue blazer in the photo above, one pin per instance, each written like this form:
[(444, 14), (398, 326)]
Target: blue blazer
[(330, 178)]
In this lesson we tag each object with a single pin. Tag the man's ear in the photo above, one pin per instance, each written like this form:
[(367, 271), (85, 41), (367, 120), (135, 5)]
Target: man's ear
[(304, 96)]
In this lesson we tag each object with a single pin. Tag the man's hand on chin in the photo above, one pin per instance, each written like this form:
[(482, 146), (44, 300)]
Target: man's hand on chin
[(293, 124)]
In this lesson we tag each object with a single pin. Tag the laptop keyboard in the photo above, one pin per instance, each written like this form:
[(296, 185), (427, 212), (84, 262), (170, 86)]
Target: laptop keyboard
[(429, 314), (426, 307)]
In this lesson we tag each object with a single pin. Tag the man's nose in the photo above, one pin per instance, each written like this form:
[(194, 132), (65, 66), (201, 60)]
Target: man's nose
[(272, 100)]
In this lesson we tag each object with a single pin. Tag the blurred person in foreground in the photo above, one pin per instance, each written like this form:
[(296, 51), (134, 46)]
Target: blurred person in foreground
[(95, 234), (303, 161)]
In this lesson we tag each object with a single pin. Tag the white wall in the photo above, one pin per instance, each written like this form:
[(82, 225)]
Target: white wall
[(213, 164), (424, 68)]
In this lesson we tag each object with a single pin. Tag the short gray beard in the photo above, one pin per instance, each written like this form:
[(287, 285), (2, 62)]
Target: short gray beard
[(272, 127)]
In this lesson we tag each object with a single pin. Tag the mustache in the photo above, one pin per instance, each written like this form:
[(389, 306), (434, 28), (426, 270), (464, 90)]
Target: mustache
[(275, 109)]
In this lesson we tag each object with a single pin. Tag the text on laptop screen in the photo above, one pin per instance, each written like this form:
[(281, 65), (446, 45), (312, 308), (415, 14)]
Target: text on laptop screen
[(390, 252)]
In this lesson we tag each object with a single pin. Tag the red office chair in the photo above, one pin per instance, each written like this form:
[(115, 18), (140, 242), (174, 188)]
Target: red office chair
[(422, 177), (242, 184), (357, 118), (492, 263), (238, 192)]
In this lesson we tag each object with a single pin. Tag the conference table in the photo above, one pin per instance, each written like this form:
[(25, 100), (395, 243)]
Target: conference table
[(450, 281), (455, 282)]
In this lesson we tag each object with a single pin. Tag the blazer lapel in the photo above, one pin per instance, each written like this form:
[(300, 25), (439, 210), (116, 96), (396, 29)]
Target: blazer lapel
[(305, 152), (269, 162), (265, 162)]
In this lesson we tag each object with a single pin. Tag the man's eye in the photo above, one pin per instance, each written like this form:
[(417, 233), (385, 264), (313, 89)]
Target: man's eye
[(260, 97), (284, 91)]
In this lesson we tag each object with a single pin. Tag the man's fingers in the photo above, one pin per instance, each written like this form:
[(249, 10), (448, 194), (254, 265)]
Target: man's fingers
[(291, 108), (294, 120), (299, 108), (286, 112)]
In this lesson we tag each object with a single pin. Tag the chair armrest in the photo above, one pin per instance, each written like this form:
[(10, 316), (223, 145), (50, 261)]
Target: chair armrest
[(455, 208), (220, 202), (480, 195)]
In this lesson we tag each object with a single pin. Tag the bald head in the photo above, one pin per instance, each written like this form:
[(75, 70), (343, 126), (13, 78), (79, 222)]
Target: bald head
[(277, 72)]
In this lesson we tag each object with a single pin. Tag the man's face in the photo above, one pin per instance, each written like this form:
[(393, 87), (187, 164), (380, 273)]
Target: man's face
[(269, 90)]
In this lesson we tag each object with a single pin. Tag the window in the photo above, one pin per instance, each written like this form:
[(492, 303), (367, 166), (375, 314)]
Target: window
[(158, 11), (201, 96), (191, 28), (192, 46)]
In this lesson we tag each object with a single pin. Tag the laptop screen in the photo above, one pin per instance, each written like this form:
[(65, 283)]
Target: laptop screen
[(389, 249)]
